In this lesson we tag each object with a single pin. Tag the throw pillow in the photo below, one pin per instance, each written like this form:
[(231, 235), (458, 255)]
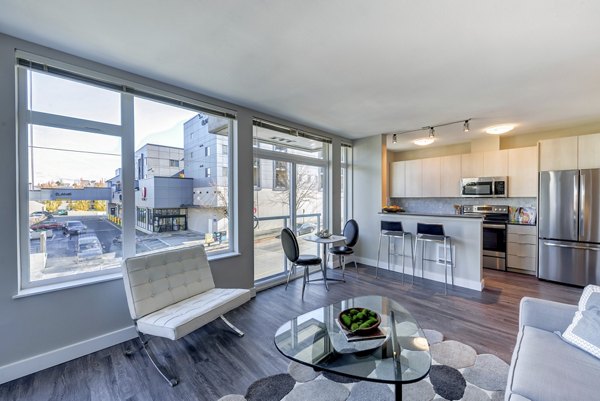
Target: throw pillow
[(584, 330)]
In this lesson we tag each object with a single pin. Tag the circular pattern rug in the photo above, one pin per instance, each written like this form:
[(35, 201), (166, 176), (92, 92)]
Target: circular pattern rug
[(457, 373)]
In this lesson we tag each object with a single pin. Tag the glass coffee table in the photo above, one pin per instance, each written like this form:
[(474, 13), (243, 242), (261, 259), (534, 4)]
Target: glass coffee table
[(315, 339)]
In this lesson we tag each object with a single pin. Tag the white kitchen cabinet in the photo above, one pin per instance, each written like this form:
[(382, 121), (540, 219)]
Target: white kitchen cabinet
[(495, 163), (471, 165), (558, 154), (521, 248), (414, 178), (589, 151), (431, 177), (523, 172), (450, 174), (397, 179)]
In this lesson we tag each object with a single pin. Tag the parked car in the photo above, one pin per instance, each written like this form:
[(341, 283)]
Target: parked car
[(74, 227), (48, 224), (88, 247), (306, 228), (41, 213), (61, 212)]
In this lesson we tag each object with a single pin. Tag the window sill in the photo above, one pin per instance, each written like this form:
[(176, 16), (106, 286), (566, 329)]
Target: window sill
[(44, 289)]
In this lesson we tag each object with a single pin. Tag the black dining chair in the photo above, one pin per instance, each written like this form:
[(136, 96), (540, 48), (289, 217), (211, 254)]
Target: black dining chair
[(292, 252), (351, 235)]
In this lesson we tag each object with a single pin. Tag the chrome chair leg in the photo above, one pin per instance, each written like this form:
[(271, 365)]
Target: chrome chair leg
[(292, 271), (172, 380), (304, 280), (390, 251), (445, 268), (237, 331)]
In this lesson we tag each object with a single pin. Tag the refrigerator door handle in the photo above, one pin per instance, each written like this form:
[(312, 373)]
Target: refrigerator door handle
[(581, 205), (576, 200), (585, 248)]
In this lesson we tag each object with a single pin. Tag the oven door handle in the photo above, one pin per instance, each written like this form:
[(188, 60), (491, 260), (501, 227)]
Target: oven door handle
[(501, 226)]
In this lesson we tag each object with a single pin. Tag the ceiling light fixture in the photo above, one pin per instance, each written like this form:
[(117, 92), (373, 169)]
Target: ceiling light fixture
[(500, 129), (431, 129), (424, 141)]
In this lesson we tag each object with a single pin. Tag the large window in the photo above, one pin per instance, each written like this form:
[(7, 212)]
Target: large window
[(290, 170), (91, 153)]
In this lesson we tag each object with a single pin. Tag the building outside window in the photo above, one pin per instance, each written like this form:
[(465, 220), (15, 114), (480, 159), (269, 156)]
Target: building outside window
[(72, 182)]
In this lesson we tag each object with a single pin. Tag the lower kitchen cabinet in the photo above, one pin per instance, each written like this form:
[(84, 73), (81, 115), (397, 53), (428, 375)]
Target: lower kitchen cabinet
[(521, 248)]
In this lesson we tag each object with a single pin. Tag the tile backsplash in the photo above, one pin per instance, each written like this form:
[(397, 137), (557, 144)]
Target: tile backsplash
[(446, 205)]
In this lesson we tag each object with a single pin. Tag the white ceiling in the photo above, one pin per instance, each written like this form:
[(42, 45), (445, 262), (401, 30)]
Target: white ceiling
[(350, 67)]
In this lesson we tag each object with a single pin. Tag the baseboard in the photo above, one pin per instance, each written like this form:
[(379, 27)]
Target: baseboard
[(55, 357), (435, 276)]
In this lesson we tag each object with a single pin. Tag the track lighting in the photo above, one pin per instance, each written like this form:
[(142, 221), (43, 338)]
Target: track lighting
[(431, 129)]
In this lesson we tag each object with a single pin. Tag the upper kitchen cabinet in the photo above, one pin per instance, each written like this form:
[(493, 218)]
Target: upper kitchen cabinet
[(589, 151), (397, 180), (495, 163), (471, 165), (558, 154), (414, 178), (431, 177), (450, 172), (523, 172)]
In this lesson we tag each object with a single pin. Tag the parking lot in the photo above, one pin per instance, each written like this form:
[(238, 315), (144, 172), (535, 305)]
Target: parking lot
[(61, 249)]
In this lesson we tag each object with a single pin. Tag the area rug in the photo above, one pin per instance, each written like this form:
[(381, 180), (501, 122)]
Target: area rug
[(457, 373)]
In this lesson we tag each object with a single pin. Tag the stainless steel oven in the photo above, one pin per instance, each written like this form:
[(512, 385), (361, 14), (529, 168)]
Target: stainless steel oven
[(484, 187), (494, 233)]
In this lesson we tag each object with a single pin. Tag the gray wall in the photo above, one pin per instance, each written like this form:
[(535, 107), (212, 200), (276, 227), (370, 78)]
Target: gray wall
[(37, 324), (367, 193)]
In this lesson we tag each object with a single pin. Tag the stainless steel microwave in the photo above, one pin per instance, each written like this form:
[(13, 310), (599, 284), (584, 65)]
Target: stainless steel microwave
[(484, 187)]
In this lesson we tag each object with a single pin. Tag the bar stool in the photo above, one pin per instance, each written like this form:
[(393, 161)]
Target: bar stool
[(434, 233), (393, 230)]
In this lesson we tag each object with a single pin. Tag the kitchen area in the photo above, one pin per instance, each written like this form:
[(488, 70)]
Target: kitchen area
[(537, 208)]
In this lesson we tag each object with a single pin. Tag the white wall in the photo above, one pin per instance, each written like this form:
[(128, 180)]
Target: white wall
[(46, 329)]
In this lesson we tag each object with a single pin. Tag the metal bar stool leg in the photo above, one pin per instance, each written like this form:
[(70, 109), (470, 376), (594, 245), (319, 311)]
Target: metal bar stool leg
[(412, 255), (378, 253), (451, 262), (414, 261), (403, 248), (445, 268), (389, 251)]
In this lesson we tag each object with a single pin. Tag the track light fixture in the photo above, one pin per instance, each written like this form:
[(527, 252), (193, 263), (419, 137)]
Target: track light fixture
[(431, 129)]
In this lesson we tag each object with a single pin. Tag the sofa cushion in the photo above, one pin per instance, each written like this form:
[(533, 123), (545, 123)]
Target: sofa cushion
[(584, 331), (180, 319), (544, 367)]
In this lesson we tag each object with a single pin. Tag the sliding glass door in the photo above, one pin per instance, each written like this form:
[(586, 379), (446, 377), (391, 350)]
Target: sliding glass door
[(290, 187)]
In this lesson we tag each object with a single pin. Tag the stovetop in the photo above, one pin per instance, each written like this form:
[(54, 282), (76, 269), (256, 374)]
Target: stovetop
[(490, 213)]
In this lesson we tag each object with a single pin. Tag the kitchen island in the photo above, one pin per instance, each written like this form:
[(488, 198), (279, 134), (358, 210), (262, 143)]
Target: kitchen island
[(467, 240)]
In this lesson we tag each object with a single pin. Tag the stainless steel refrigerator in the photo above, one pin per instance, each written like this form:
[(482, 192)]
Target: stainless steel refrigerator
[(569, 226)]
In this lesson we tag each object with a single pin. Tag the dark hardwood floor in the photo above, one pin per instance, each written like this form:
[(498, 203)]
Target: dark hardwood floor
[(213, 361)]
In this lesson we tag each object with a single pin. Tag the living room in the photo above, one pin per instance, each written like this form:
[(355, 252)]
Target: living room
[(302, 71)]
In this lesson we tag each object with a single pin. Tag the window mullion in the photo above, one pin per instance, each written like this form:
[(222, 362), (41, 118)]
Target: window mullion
[(72, 123), (128, 174)]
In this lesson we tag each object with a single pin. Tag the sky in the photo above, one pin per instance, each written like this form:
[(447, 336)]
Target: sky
[(60, 154)]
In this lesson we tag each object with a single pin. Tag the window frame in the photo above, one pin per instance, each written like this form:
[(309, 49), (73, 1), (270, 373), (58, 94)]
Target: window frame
[(124, 131)]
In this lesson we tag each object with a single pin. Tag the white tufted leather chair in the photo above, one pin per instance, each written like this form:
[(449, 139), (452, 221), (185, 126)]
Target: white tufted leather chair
[(172, 293)]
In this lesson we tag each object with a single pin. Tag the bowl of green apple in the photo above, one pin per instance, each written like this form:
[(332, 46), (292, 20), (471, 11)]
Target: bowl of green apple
[(359, 320)]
